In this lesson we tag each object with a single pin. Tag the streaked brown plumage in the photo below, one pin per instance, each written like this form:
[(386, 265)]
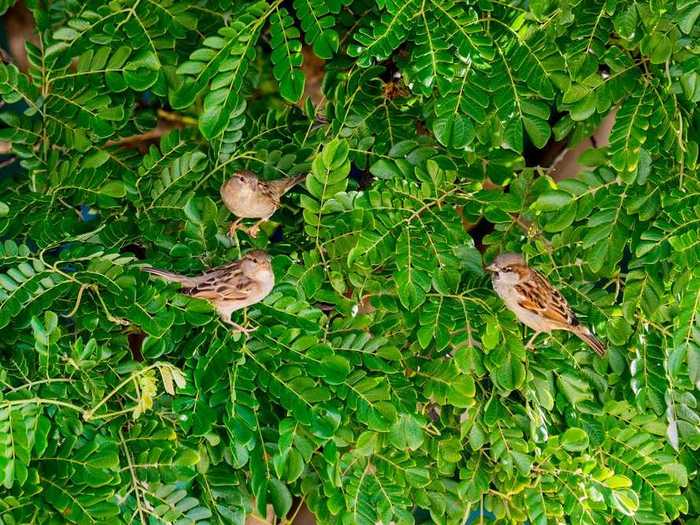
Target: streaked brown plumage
[(247, 197), (534, 301), (229, 287)]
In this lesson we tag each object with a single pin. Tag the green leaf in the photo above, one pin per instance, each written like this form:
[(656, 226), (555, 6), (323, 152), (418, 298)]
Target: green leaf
[(316, 22), (286, 56), (96, 159), (552, 200), (113, 189), (509, 374), (574, 440), (617, 482), (280, 497), (538, 130), (626, 501), (406, 433), (378, 41), (384, 169), (689, 16), (619, 331), (658, 47), (454, 131)]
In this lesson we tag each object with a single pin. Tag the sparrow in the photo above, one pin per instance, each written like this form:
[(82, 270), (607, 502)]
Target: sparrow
[(247, 197), (534, 301), (230, 287)]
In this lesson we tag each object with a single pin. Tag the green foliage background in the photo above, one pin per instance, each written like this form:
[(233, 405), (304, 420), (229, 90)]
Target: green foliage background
[(384, 376)]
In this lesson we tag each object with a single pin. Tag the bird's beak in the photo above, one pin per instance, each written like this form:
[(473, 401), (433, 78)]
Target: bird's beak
[(491, 268)]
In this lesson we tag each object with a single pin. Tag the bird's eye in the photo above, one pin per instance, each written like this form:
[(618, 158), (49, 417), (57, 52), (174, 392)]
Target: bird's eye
[(507, 269)]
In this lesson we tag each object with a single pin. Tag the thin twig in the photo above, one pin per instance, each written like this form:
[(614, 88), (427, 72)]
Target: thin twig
[(177, 118), (77, 301), (40, 382), (167, 121), (42, 401), (153, 134)]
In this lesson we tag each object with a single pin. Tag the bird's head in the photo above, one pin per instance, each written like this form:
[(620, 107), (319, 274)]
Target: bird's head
[(257, 263), (242, 182), (507, 268)]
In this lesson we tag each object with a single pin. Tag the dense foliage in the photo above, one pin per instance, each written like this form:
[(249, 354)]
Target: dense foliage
[(385, 381)]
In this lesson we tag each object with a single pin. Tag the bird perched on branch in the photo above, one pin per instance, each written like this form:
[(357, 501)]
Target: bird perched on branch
[(247, 197), (534, 301), (229, 287)]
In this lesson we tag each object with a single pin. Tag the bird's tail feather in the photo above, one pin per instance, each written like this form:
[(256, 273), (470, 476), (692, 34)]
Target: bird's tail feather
[(188, 282), (299, 178), (591, 340), (284, 185)]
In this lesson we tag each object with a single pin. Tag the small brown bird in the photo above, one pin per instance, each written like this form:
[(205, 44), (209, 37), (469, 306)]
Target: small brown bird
[(247, 197), (229, 287), (534, 301)]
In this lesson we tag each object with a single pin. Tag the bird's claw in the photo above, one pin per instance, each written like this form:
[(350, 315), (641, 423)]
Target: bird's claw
[(529, 345), (243, 330), (232, 229), (254, 230)]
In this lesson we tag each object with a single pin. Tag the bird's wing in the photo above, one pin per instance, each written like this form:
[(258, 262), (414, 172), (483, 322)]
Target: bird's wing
[(540, 297), (273, 193), (225, 283)]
